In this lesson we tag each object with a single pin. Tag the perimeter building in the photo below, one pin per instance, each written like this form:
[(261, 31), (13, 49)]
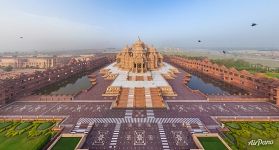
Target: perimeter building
[(39, 62)]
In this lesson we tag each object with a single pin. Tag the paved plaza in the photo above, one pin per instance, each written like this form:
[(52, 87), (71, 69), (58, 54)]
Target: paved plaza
[(139, 136), (166, 128), (182, 91), (176, 110), (140, 128), (95, 93)]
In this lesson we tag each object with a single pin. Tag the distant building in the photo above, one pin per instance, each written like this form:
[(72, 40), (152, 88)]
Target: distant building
[(84, 57), (29, 62), (38, 62)]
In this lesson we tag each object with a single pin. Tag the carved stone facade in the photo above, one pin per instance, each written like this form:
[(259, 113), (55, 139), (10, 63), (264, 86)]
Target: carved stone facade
[(139, 58)]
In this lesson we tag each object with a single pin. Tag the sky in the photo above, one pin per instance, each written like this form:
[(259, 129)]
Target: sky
[(95, 24)]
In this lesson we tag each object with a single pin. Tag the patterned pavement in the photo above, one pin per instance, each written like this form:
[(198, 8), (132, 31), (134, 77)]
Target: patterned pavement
[(140, 128), (139, 120)]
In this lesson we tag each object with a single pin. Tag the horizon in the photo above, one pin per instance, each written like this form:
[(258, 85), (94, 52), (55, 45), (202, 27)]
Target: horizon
[(68, 25)]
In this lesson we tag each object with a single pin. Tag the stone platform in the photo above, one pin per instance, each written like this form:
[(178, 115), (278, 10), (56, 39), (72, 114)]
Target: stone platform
[(139, 98), (139, 90)]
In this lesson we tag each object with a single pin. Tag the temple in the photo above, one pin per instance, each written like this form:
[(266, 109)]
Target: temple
[(139, 77), (139, 58)]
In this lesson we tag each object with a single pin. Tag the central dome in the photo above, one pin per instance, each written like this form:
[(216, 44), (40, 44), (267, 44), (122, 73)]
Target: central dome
[(139, 45)]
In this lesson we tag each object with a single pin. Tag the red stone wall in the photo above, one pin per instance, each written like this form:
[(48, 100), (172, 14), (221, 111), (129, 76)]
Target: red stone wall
[(26, 84), (257, 85)]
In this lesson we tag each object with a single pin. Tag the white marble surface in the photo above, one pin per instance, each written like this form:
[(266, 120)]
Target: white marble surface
[(158, 79)]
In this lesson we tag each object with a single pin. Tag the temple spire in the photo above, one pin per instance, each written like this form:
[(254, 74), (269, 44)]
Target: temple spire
[(139, 38)]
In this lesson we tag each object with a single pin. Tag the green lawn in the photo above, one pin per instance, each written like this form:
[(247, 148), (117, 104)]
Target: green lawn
[(212, 143), (239, 138), (25, 135), (272, 75), (66, 143)]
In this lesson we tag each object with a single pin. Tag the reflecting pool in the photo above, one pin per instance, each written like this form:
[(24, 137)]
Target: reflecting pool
[(69, 86), (212, 87)]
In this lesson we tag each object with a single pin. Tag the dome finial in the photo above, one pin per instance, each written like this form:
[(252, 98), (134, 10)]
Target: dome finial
[(139, 38)]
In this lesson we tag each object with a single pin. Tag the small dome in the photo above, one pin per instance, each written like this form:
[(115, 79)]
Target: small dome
[(152, 49), (139, 43), (126, 49)]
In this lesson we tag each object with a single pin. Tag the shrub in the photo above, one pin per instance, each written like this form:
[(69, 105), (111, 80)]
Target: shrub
[(45, 125), (8, 68), (242, 146), (231, 137), (4, 124), (256, 125), (233, 125), (246, 134), (23, 125), (275, 124), (43, 142)]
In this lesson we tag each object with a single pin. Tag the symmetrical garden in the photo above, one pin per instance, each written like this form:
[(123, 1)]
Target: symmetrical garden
[(25, 135), (252, 135)]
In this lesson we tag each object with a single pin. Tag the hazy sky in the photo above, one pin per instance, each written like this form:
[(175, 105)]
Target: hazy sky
[(82, 24)]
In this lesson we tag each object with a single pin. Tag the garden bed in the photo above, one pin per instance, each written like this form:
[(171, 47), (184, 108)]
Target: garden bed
[(252, 135), (25, 135)]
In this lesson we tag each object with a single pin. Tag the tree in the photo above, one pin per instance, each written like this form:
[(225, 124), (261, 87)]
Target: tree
[(8, 68)]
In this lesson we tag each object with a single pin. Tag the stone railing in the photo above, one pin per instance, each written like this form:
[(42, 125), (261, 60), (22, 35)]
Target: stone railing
[(232, 98), (245, 118)]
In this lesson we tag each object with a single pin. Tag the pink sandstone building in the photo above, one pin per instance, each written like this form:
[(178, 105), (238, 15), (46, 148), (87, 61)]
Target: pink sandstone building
[(259, 85), (14, 87)]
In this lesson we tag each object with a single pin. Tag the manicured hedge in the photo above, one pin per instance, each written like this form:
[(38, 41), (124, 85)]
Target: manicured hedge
[(4, 124), (240, 133), (45, 125), (233, 125), (231, 137), (16, 135), (256, 125), (276, 124), (23, 125)]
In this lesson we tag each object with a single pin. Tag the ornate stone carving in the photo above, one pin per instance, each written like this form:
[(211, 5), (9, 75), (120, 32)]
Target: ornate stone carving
[(139, 58)]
